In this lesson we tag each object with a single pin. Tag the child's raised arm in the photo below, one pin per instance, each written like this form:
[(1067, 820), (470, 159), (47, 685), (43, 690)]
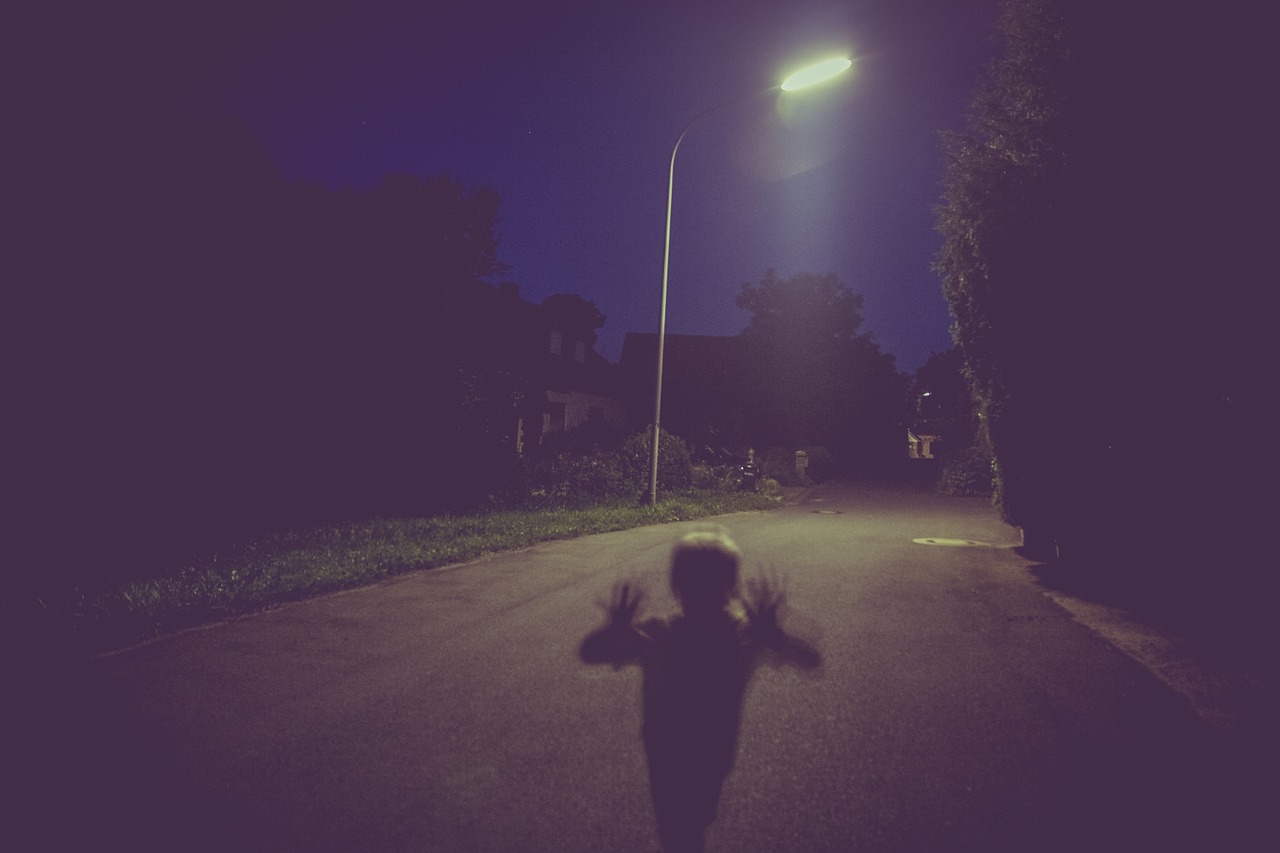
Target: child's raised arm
[(617, 642), (763, 601)]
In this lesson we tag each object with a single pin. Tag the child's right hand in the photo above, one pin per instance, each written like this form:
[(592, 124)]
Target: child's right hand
[(764, 599)]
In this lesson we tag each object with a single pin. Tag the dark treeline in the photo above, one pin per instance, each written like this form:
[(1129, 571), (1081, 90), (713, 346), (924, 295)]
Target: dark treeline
[(801, 375), (816, 378), (209, 351), (1103, 259)]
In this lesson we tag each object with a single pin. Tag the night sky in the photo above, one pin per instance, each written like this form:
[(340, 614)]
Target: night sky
[(569, 110)]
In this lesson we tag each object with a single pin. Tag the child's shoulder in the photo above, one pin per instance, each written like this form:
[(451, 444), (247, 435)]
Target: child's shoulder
[(656, 626), (724, 627)]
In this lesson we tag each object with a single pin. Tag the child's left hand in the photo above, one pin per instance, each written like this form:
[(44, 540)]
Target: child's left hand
[(624, 605)]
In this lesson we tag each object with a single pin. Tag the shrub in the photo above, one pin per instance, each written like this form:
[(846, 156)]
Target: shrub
[(675, 469), (715, 478), (571, 474), (967, 472), (576, 480), (769, 487)]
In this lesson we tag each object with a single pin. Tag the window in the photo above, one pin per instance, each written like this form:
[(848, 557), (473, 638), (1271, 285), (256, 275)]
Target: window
[(580, 352), (556, 421), (556, 342)]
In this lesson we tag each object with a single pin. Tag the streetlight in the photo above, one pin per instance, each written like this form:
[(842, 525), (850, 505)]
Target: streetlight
[(808, 76)]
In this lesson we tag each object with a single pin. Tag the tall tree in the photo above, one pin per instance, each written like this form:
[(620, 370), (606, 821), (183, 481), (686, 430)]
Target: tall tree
[(1007, 263), (572, 315), (1093, 195), (237, 354), (815, 379), (418, 322)]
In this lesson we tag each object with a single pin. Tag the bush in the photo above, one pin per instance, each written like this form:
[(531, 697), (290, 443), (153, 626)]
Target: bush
[(967, 472), (577, 480), (675, 469), (556, 476), (715, 478), (768, 488)]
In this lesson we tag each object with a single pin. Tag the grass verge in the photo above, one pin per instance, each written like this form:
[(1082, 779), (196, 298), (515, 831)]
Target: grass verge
[(297, 565)]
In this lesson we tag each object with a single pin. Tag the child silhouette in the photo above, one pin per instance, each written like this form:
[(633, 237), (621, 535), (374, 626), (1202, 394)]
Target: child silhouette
[(696, 665)]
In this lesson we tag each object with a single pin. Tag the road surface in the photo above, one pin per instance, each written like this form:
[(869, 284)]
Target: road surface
[(958, 708)]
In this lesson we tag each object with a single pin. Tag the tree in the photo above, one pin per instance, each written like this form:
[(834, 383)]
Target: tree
[(1002, 263), (815, 379), (419, 331), (571, 314), (803, 309), (943, 403), (1096, 263), (235, 354)]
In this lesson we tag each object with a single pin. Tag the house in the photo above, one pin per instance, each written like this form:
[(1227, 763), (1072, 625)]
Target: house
[(569, 383), (703, 387), (920, 446)]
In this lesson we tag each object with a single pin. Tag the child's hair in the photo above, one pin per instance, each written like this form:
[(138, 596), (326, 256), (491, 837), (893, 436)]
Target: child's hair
[(704, 569)]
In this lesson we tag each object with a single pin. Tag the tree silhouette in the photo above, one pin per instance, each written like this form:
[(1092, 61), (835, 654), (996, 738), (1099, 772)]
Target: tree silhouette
[(814, 378), (943, 402), (228, 354), (1097, 261)]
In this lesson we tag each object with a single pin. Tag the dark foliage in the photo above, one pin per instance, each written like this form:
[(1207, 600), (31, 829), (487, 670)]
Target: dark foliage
[(579, 479), (814, 378), (705, 386), (675, 466), (577, 467), (220, 354), (967, 472), (1101, 257), (944, 404), (590, 465)]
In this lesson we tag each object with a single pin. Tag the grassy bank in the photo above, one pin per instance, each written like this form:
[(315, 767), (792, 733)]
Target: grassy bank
[(296, 565)]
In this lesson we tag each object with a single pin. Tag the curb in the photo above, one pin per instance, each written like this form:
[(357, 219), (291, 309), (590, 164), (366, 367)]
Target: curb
[(1231, 698)]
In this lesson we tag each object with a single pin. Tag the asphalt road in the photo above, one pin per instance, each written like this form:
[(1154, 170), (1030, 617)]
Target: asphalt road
[(959, 708)]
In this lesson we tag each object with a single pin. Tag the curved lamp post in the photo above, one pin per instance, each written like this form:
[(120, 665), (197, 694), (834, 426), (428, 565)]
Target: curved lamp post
[(807, 76)]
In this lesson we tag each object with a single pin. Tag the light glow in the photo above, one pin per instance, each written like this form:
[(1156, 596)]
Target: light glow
[(816, 74)]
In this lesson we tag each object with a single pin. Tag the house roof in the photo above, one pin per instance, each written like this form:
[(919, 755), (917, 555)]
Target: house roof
[(714, 354)]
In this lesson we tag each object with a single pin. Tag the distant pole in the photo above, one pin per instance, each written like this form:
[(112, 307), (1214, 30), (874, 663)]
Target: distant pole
[(806, 77)]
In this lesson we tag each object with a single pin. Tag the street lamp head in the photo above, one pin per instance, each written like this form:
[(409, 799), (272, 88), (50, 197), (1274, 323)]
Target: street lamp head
[(816, 74)]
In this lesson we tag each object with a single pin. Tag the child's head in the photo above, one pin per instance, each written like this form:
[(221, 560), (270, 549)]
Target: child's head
[(704, 571)]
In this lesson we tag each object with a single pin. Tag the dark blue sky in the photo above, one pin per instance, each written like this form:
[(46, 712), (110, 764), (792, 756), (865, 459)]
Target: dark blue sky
[(569, 111)]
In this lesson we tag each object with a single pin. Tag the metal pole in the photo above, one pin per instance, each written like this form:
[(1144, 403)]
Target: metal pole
[(662, 330), (662, 309)]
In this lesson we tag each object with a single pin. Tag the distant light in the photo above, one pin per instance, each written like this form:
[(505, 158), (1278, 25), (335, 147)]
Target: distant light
[(815, 74)]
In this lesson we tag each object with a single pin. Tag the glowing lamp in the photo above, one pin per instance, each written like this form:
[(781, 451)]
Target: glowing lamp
[(815, 74)]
